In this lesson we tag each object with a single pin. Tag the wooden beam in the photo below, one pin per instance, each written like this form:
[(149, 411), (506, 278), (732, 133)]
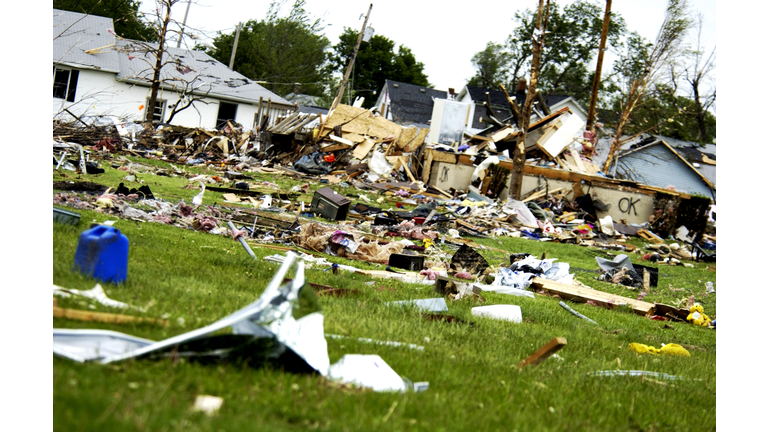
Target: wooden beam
[(547, 350), (647, 235), (540, 194), (407, 170), (584, 294), (81, 315)]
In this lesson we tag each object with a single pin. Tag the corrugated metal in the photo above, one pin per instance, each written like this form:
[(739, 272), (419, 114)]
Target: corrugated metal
[(657, 166)]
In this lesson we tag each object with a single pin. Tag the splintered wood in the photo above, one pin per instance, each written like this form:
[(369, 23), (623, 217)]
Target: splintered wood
[(547, 350), (359, 122)]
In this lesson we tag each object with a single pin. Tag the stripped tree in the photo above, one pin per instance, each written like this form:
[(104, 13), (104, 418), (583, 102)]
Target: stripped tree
[(668, 45), (697, 72), (523, 117), (164, 67)]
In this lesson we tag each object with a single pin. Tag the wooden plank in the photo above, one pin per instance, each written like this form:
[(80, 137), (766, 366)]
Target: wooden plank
[(447, 195), (584, 294), (579, 163), (427, 169), (362, 149), (577, 192), (465, 159), (81, 315), (341, 140), (502, 133), (647, 235), (417, 142), (485, 185), (439, 156), (547, 350), (407, 170), (540, 194), (335, 147), (564, 164)]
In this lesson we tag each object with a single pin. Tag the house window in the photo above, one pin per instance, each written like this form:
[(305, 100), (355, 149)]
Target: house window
[(65, 83), (158, 114), (227, 111)]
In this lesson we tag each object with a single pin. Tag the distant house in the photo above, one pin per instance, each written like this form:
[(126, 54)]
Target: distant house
[(556, 102), (98, 74), (500, 105), (407, 104), (656, 163)]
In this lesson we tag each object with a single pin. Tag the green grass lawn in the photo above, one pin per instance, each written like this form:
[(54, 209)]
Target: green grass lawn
[(194, 278)]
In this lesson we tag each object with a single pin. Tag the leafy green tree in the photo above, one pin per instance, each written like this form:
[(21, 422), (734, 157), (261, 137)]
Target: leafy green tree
[(377, 60), (282, 51), (572, 41), (129, 22), (491, 67), (663, 112), (647, 75)]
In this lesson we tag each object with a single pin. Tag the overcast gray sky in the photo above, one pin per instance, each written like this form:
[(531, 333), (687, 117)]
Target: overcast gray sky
[(442, 35)]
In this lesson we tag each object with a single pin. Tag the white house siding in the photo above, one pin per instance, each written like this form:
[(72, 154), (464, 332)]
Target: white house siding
[(575, 109), (98, 93)]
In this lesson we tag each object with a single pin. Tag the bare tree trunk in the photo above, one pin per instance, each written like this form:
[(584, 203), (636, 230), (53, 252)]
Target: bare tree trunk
[(518, 160), (599, 68), (632, 99), (150, 110)]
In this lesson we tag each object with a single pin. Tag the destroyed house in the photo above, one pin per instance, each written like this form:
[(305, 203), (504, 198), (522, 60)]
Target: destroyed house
[(98, 74), (475, 95), (500, 105), (659, 164), (407, 104)]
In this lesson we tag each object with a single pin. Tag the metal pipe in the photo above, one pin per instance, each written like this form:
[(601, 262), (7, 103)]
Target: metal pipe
[(242, 240), (568, 308)]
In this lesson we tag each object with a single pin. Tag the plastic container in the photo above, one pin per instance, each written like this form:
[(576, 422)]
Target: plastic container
[(102, 252)]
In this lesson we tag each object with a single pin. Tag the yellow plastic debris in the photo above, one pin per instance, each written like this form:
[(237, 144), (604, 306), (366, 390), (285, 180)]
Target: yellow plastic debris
[(468, 203), (671, 349)]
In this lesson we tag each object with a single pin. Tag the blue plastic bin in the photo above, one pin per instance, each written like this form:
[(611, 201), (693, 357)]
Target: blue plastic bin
[(102, 252)]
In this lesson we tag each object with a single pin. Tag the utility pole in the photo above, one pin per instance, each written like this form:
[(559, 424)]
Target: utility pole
[(184, 24), (598, 70), (351, 61), (234, 48)]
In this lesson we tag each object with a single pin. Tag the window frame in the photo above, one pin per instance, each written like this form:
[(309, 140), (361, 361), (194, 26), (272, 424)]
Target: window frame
[(163, 105), (219, 120), (69, 85)]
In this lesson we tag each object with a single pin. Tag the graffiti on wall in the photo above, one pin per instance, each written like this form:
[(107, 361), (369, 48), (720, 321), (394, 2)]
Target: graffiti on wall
[(626, 204)]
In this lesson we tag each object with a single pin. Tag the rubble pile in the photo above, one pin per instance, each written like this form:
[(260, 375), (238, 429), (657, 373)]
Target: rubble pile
[(394, 218)]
